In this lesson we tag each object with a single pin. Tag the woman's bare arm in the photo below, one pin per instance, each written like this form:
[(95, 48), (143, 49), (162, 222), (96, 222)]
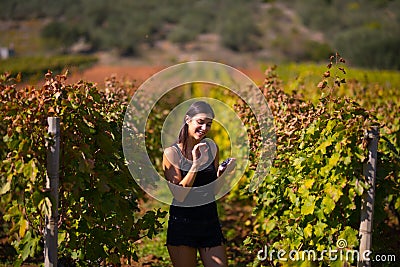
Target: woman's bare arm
[(173, 174)]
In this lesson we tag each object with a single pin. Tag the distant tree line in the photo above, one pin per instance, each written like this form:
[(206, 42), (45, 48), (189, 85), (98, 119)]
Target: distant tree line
[(366, 33), (125, 25)]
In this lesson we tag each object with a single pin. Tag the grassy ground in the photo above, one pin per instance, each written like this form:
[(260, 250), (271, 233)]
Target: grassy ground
[(34, 68), (304, 77)]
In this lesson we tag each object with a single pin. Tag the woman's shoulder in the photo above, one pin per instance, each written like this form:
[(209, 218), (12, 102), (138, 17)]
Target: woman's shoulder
[(172, 152)]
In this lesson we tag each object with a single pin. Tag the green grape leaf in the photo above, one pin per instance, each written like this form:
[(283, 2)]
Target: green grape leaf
[(308, 205), (328, 204), (308, 231), (319, 228)]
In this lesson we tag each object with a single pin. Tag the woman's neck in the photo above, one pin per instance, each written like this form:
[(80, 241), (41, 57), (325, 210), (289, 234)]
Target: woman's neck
[(190, 143)]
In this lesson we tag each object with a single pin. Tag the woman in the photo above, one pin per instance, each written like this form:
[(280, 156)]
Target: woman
[(190, 163)]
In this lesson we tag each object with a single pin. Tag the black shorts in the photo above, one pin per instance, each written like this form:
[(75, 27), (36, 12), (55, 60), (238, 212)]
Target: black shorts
[(194, 233)]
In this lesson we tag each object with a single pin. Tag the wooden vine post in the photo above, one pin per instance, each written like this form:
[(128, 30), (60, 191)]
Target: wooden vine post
[(367, 201), (52, 181)]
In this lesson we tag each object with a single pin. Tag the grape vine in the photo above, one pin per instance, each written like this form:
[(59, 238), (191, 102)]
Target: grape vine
[(99, 214)]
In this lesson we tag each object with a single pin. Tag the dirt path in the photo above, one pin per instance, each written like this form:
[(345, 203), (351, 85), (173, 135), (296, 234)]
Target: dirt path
[(137, 74)]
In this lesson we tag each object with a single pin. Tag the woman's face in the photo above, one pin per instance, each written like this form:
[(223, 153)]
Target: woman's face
[(199, 125)]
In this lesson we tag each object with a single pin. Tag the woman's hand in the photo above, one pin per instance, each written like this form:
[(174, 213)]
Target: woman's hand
[(200, 154), (228, 168)]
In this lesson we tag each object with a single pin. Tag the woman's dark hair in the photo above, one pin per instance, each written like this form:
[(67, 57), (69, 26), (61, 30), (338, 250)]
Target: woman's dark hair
[(194, 109)]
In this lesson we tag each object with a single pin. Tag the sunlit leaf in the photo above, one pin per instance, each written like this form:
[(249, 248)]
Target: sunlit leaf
[(319, 228), (308, 205), (308, 231), (5, 188), (23, 227), (328, 204)]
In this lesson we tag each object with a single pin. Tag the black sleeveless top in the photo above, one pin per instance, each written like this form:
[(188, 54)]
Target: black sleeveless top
[(203, 177)]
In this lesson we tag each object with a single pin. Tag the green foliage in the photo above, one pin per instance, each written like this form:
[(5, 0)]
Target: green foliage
[(315, 51), (125, 25), (181, 35), (303, 50), (243, 36), (60, 34), (309, 200), (194, 20), (99, 214), (20, 10), (311, 196), (381, 46), (356, 29), (36, 67), (370, 87), (363, 32)]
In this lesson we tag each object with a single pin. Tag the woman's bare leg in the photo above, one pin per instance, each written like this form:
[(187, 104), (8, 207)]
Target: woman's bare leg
[(182, 256), (214, 257)]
